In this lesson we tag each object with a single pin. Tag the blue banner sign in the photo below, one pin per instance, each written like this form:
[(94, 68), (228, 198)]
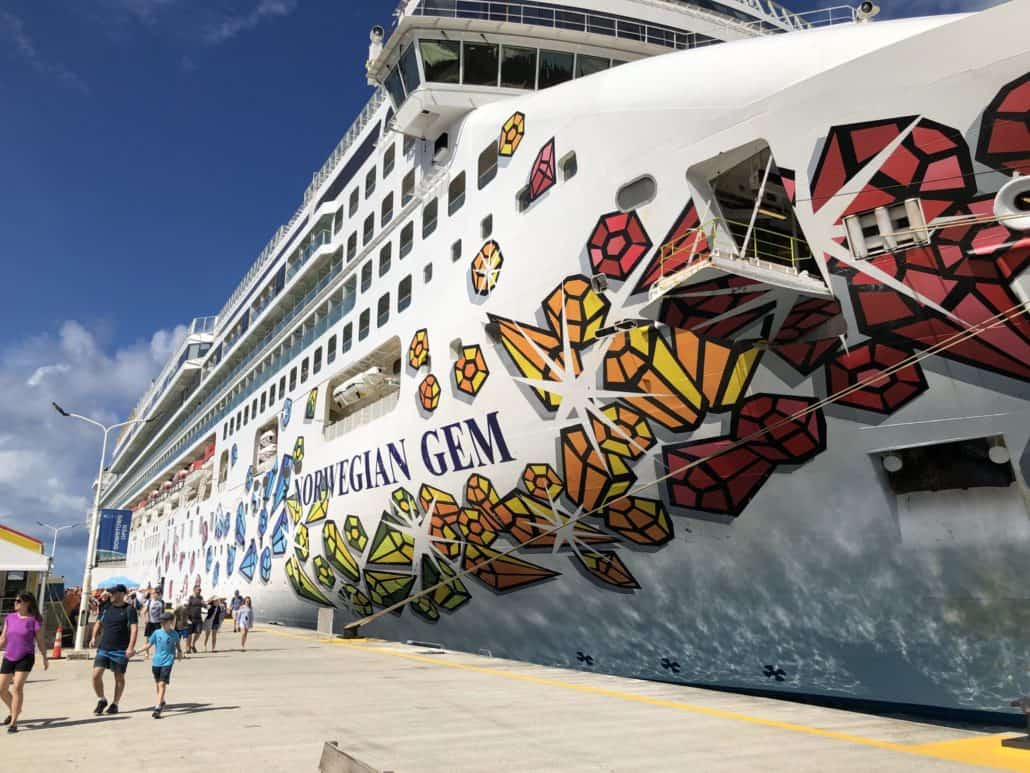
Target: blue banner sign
[(113, 539)]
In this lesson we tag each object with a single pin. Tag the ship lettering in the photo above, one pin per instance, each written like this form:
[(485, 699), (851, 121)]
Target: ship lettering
[(365, 470), (463, 446)]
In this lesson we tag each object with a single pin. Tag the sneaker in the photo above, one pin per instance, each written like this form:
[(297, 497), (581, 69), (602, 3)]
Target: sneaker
[(7, 721), (112, 709), (12, 729), (101, 705), (156, 713)]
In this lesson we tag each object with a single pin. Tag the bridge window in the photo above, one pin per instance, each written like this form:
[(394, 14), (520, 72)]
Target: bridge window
[(555, 67), (441, 60), (409, 69), (395, 87), (480, 64), (518, 67), (588, 65)]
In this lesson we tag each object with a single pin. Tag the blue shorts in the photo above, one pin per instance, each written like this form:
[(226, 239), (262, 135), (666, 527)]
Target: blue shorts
[(184, 633), (113, 660)]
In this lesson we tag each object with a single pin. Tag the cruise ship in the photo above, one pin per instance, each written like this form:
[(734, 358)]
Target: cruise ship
[(678, 339)]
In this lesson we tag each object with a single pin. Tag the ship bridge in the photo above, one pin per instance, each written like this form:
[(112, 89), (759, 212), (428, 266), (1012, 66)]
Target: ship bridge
[(448, 57)]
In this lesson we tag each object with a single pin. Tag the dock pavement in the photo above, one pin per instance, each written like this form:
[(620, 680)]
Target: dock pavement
[(401, 708)]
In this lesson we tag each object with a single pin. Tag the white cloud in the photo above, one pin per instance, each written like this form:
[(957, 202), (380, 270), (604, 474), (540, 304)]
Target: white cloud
[(21, 45), (48, 463), (231, 26)]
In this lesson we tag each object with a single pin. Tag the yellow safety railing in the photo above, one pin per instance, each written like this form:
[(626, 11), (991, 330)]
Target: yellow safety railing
[(763, 244)]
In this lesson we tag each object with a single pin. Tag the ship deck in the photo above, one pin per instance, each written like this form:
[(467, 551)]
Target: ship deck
[(414, 708)]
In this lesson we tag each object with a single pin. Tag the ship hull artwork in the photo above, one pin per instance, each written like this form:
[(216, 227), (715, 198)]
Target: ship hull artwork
[(619, 440)]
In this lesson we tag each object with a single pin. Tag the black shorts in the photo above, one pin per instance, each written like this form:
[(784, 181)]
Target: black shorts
[(162, 673), (196, 626), (24, 664), (150, 628)]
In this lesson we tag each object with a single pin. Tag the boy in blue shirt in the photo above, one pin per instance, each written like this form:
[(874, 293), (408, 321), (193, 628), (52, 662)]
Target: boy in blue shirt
[(165, 643)]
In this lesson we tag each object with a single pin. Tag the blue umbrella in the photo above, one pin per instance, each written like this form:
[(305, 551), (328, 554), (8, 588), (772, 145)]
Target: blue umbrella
[(117, 580)]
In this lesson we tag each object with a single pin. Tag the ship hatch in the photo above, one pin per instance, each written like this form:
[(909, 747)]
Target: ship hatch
[(752, 230)]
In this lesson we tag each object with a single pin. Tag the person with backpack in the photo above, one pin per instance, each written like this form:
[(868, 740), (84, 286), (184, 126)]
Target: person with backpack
[(115, 632), (22, 628)]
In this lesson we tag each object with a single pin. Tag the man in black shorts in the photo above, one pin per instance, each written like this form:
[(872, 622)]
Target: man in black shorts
[(116, 632), (195, 610), (153, 608)]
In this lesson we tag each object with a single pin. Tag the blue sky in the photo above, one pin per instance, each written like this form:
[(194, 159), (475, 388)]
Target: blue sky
[(148, 150)]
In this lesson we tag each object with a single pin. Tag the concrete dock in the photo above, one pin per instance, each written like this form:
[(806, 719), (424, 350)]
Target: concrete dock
[(408, 708)]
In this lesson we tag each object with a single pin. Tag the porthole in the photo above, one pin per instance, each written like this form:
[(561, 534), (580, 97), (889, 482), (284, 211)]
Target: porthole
[(636, 194)]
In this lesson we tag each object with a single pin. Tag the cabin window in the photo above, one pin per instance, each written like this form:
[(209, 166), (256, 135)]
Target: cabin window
[(263, 397), (386, 214), (456, 251), (555, 67), (383, 310), (407, 239), (369, 229), (637, 193), (370, 182), (487, 165), (271, 395), (316, 365), (486, 226), (427, 273), (409, 69), (569, 165), (305, 369), (408, 188), (366, 275), (246, 415), (350, 295), (389, 159), (223, 467), (404, 294), (363, 324), (441, 60), (385, 256), (352, 206), (518, 67), (456, 194), (429, 213), (330, 350), (480, 64), (266, 440), (282, 386), (254, 408), (293, 379), (225, 430), (347, 338), (352, 246), (337, 220), (588, 65)]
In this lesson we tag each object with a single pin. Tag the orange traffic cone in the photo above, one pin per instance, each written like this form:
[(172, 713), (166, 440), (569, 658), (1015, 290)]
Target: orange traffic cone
[(56, 654)]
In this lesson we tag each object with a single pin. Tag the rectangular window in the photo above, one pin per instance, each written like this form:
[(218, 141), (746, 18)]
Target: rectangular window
[(263, 396), (518, 67), (569, 165), (588, 65), (487, 165), (271, 395), (441, 59), (316, 365), (363, 324), (370, 182), (407, 239), (305, 370), (456, 194), (409, 69), (389, 159), (253, 408), (347, 338), (352, 207), (427, 273), (486, 227), (481, 64), (429, 212), (330, 350), (282, 386), (386, 214), (408, 146), (246, 415), (383, 310), (293, 379), (395, 87), (456, 251), (366, 275), (352, 246), (522, 199), (408, 188), (404, 294), (555, 68), (337, 220), (350, 294), (369, 229), (385, 256)]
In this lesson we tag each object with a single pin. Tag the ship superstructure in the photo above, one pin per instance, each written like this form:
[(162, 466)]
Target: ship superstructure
[(678, 339)]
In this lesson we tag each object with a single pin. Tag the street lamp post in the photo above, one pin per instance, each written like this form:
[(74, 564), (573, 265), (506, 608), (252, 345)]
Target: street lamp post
[(53, 553), (87, 578)]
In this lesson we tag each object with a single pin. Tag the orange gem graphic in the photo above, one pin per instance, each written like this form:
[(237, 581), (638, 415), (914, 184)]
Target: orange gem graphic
[(486, 268), (511, 135), (542, 482), (470, 370), (502, 572), (429, 393), (631, 435), (418, 350), (575, 305), (589, 481), (481, 494), (608, 567), (639, 520)]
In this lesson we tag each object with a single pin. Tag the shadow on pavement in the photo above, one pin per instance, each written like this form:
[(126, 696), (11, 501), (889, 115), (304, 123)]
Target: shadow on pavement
[(54, 722), (172, 709)]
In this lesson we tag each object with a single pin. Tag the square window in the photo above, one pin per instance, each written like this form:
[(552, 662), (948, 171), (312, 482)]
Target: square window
[(522, 199), (263, 397), (569, 165), (386, 213), (352, 246), (282, 386)]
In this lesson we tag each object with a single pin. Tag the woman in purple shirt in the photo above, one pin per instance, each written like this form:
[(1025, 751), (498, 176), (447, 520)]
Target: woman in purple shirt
[(22, 629)]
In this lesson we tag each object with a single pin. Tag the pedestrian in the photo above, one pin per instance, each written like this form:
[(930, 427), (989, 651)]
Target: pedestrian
[(105, 600), (22, 628), (237, 602), (245, 620), (195, 606), (153, 608), (116, 631), (165, 643), (181, 623), (215, 616)]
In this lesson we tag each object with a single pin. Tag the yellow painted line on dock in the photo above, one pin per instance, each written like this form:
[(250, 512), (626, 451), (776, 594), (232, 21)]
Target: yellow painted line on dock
[(988, 751)]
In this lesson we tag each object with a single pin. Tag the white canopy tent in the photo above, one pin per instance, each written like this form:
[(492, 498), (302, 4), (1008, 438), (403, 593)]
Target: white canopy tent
[(15, 558)]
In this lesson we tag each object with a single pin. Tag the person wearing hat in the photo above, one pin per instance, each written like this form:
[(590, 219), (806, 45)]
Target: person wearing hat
[(165, 643), (116, 631)]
